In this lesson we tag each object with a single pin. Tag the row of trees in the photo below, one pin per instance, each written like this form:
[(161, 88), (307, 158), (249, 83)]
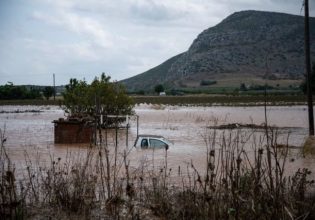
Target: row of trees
[(101, 96), (80, 98), (105, 92), (10, 91)]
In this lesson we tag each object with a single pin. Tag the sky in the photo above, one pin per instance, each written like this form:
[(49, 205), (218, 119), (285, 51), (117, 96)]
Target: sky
[(83, 38)]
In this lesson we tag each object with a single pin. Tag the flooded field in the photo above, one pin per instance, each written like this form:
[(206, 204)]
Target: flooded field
[(30, 133)]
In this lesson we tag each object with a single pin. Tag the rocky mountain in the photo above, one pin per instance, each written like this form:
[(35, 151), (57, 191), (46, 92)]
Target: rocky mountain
[(246, 47)]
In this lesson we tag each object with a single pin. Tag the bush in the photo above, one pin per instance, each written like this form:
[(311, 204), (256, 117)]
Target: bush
[(207, 82), (108, 98), (48, 92), (243, 87), (257, 87), (159, 88)]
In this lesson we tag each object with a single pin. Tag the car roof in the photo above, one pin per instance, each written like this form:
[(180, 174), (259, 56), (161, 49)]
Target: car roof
[(150, 136)]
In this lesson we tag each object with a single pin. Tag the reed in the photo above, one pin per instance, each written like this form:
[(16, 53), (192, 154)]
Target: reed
[(100, 183)]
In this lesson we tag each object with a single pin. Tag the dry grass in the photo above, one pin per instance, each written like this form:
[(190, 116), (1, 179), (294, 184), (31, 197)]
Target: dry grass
[(309, 146), (219, 100), (102, 185)]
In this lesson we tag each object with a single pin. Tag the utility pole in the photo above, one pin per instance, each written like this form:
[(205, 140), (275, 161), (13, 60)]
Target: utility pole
[(308, 70), (54, 88)]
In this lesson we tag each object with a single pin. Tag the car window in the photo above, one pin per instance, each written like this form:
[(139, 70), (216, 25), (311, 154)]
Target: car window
[(157, 143), (144, 143)]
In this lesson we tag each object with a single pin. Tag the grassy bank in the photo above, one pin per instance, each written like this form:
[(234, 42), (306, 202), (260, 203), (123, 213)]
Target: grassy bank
[(30, 102), (223, 100), (203, 100), (101, 184)]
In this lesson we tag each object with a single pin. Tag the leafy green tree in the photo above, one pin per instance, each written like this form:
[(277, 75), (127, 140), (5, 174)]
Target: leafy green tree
[(10, 91), (75, 98), (243, 87), (140, 92), (159, 88), (48, 92), (34, 93), (110, 98)]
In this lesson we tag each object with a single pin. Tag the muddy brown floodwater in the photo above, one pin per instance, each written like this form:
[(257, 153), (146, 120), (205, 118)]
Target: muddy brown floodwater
[(32, 133)]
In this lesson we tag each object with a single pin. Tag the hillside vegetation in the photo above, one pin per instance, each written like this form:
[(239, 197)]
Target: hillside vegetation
[(251, 47)]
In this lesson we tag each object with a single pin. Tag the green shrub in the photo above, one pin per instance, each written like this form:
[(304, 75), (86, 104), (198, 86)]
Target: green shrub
[(207, 82)]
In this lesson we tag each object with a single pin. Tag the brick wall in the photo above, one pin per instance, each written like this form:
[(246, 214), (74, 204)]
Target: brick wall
[(69, 132)]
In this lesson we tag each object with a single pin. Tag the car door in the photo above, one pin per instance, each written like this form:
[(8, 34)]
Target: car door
[(155, 143)]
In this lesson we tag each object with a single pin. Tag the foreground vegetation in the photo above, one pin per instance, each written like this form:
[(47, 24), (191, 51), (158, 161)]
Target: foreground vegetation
[(101, 184)]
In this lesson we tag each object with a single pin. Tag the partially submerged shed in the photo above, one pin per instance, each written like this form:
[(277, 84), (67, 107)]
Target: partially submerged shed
[(73, 131)]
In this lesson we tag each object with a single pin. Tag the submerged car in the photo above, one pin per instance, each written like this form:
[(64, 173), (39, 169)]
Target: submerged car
[(151, 141)]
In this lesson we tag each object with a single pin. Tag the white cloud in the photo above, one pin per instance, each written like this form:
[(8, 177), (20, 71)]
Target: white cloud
[(120, 37), (84, 26), (56, 53)]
